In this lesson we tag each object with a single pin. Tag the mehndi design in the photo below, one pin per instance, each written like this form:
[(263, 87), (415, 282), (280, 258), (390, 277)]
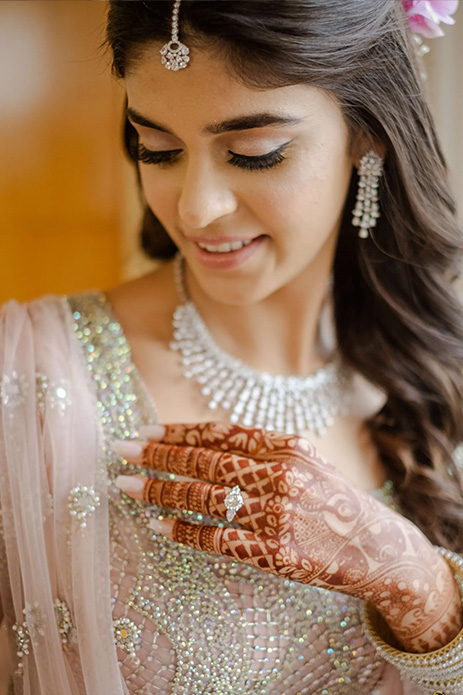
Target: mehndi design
[(301, 519)]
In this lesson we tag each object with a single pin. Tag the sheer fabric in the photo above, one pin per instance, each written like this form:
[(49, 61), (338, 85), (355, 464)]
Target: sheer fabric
[(45, 451), (135, 612)]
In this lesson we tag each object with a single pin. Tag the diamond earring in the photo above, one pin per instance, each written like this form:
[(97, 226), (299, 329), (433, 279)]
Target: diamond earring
[(366, 210)]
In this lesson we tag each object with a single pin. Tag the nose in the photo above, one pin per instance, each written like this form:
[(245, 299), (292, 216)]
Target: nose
[(205, 196)]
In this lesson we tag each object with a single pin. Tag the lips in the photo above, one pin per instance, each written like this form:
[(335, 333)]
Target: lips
[(223, 253), (216, 241), (224, 247)]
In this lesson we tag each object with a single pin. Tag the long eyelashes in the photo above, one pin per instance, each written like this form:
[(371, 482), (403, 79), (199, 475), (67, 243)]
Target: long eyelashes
[(258, 163), (167, 157), (151, 157)]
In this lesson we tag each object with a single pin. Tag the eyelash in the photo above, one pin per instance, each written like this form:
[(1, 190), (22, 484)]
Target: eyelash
[(260, 163)]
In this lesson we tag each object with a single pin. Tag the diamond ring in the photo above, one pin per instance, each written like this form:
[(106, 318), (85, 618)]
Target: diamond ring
[(233, 502)]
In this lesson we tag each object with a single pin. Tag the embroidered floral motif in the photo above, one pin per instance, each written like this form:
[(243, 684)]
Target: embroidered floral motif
[(127, 635), (14, 388), (83, 500), (48, 506), (55, 394), (23, 641), (64, 620), (34, 627), (58, 396), (35, 620), (41, 387)]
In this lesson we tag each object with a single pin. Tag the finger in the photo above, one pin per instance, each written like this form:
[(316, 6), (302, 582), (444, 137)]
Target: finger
[(203, 498), (133, 484), (221, 468), (248, 441), (211, 466), (154, 433), (239, 544)]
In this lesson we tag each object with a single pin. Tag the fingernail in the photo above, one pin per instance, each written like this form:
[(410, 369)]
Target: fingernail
[(163, 526), (129, 483), (156, 432), (126, 448)]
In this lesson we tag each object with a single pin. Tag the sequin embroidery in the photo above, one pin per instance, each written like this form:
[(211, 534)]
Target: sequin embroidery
[(207, 625)]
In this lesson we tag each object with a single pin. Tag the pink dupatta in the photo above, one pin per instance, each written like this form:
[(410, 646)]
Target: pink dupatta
[(51, 442)]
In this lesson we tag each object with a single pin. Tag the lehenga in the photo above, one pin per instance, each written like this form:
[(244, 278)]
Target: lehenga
[(95, 602)]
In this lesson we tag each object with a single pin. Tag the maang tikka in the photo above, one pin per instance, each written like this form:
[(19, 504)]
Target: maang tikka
[(366, 211), (175, 55)]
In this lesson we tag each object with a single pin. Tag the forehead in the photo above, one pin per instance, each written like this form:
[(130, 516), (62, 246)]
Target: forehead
[(206, 91)]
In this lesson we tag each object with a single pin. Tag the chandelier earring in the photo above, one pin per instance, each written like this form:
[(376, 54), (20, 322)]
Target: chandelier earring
[(366, 211)]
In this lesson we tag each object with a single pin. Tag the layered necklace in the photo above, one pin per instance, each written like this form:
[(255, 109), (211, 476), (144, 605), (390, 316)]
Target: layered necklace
[(291, 404)]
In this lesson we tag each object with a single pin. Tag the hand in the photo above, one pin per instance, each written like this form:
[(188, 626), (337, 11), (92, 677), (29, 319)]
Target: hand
[(300, 518)]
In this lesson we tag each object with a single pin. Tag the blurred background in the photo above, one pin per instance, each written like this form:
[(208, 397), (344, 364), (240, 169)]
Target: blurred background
[(67, 196), (68, 202), (69, 208)]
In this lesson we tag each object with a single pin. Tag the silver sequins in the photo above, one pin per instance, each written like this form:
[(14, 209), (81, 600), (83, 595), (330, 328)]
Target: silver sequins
[(23, 641), (55, 394), (63, 620), (83, 500), (208, 626), (127, 636), (14, 388)]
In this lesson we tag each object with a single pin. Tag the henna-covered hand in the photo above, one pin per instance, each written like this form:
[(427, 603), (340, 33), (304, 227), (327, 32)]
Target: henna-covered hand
[(303, 520)]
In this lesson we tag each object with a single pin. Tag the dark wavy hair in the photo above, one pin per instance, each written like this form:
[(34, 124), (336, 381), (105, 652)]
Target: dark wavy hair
[(399, 321)]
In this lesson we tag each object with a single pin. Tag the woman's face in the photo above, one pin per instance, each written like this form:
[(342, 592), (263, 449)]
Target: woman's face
[(222, 164)]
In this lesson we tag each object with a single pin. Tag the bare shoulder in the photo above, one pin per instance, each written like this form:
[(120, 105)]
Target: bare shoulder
[(145, 305)]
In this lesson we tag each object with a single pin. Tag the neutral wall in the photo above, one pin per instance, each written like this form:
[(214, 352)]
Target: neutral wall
[(61, 169), (445, 86)]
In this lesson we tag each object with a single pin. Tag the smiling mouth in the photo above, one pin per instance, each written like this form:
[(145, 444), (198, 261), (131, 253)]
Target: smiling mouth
[(225, 247)]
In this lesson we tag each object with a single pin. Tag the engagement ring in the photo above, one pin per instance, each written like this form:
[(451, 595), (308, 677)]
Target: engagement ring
[(233, 502)]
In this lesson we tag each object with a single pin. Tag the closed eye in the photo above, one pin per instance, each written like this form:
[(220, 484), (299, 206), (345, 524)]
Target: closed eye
[(158, 157), (166, 157), (265, 161)]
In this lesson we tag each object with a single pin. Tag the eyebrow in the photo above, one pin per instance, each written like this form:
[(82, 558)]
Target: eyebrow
[(257, 120)]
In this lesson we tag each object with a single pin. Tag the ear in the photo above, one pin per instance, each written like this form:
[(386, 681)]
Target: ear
[(362, 144)]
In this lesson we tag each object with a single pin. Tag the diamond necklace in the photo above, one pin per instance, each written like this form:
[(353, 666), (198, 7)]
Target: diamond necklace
[(290, 404)]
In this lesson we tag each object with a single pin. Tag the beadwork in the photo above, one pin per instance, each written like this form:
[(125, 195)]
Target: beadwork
[(127, 635), (83, 500), (217, 626), (63, 620), (23, 642), (14, 388)]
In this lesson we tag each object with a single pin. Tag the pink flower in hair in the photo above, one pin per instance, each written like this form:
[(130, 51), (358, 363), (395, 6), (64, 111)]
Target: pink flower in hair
[(426, 15)]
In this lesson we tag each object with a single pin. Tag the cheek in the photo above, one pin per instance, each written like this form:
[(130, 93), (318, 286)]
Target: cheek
[(309, 197)]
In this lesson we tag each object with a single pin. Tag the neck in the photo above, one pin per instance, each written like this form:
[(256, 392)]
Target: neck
[(278, 334)]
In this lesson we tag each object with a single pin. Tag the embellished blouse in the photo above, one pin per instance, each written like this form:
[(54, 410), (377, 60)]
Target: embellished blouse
[(121, 609)]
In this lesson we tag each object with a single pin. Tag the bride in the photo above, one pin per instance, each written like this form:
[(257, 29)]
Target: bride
[(296, 530)]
